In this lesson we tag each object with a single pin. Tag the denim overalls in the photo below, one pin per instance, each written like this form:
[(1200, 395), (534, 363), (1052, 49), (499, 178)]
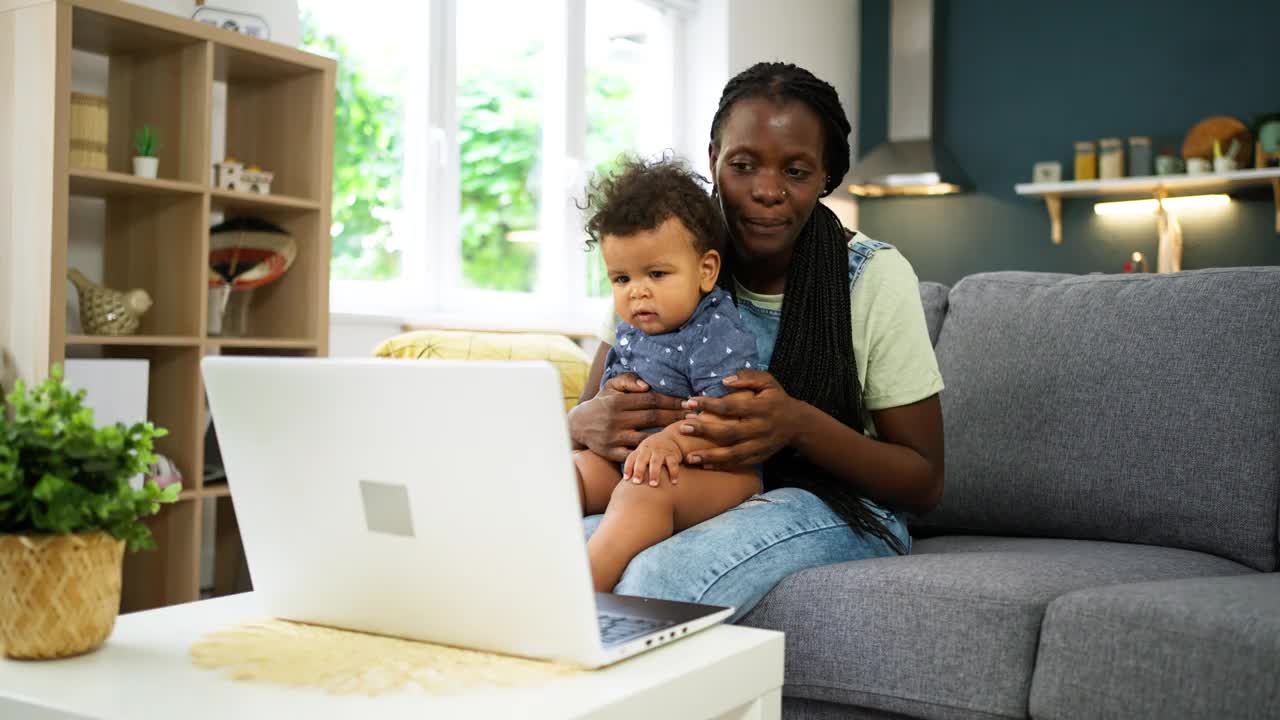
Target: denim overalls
[(735, 558)]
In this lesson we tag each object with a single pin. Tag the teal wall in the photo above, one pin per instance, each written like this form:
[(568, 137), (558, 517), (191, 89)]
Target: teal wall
[(1018, 82)]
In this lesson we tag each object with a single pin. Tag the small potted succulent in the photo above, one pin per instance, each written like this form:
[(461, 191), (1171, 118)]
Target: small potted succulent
[(67, 511), (145, 145)]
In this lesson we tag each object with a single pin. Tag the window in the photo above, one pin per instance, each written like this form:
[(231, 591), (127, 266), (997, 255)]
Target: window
[(465, 134)]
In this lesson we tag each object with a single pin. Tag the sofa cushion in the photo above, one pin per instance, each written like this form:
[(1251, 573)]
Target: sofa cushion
[(949, 631), (569, 359), (1202, 648), (1134, 408), (934, 298)]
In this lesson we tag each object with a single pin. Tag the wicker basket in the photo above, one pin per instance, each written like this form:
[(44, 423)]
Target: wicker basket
[(59, 594), (88, 131)]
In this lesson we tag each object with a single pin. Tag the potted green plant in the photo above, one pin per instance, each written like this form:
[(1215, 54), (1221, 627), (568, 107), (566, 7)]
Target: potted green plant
[(67, 511), (145, 145)]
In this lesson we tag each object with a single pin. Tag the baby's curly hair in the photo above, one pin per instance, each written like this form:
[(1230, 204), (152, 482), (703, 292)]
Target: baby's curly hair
[(643, 194)]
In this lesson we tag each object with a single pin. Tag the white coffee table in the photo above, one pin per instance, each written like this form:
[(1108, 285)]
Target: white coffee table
[(144, 672)]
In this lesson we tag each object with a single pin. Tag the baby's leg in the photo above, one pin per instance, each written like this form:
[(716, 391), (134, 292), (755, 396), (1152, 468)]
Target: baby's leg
[(596, 479), (640, 516)]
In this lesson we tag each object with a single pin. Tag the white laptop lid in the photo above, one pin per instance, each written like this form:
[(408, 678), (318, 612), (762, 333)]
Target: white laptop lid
[(488, 551)]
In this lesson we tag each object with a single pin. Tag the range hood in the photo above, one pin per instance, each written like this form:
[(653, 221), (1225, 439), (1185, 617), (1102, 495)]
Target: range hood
[(911, 162)]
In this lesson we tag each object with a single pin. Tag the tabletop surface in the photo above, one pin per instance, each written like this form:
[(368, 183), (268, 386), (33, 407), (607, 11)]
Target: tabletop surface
[(144, 671)]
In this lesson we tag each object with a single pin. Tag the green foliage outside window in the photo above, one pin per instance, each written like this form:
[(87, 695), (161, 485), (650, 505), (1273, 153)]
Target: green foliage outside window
[(367, 164), (499, 134)]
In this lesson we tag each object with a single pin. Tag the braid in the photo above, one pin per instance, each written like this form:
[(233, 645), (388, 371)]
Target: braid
[(813, 356)]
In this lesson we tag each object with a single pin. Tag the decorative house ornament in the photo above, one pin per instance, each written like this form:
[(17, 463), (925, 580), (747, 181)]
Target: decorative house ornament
[(226, 174), (104, 311), (231, 174), (255, 180)]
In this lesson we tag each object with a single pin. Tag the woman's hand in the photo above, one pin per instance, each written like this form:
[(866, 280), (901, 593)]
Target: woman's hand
[(610, 423), (657, 458), (748, 425)]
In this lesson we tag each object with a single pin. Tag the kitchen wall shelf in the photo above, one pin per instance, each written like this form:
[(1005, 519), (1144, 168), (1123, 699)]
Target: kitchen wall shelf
[(1157, 186)]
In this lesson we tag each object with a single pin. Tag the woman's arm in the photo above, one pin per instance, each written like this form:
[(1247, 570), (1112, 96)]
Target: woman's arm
[(609, 422), (903, 469)]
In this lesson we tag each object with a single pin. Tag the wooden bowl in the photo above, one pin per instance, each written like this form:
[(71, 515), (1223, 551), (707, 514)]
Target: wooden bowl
[(1199, 141)]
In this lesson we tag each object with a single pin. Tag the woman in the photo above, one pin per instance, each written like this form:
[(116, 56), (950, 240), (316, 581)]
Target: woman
[(846, 421)]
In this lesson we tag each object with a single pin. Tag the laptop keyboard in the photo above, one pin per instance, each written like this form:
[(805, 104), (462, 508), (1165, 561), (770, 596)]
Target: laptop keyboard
[(618, 628)]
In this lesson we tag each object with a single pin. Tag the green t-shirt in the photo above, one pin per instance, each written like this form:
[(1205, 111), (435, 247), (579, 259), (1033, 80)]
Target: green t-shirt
[(895, 361)]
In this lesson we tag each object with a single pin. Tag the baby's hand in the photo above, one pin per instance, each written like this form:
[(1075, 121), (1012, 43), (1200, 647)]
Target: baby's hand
[(656, 458)]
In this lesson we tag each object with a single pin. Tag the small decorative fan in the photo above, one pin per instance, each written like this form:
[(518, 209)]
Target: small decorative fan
[(248, 253), (244, 253)]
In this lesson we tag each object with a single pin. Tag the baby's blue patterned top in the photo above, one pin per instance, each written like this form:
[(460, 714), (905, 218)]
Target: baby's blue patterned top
[(711, 345)]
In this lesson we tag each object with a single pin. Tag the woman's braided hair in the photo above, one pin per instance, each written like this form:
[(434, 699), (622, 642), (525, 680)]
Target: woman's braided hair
[(813, 355)]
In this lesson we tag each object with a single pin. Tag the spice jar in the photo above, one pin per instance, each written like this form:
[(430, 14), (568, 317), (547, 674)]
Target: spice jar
[(1110, 158), (1086, 161), (1139, 156)]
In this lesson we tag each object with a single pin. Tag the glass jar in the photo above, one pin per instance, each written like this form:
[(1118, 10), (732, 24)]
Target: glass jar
[(1110, 158), (1139, 156), (1086, 165)]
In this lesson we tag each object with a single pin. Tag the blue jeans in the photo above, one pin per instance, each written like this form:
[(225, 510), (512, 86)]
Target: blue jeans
[(735, 558)]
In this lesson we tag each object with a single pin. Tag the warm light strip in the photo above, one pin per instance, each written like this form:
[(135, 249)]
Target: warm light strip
[(888, 190), (1173, 204)]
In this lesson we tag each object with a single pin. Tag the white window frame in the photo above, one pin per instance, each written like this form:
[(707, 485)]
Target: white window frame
[(430, 291)]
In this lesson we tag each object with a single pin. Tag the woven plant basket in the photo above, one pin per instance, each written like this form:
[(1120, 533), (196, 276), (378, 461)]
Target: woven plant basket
[(59, 594)]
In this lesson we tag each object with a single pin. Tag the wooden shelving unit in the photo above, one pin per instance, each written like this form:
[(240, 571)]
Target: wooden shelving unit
[(1154, 186), (161, 71)]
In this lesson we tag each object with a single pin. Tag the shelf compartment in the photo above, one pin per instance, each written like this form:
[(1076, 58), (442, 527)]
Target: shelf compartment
[(175, 403), (134, 340), (158, 244), (165, 576), (167, 87), (107, 184), (284, 310), (270, 115)]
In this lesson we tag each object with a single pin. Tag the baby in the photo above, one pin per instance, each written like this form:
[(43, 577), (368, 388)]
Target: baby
[(658, 232)]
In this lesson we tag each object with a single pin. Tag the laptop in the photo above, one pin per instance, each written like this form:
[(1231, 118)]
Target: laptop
[(432, 500)]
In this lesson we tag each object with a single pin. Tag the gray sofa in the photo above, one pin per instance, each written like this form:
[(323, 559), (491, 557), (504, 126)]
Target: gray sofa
[(1107, 542)]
